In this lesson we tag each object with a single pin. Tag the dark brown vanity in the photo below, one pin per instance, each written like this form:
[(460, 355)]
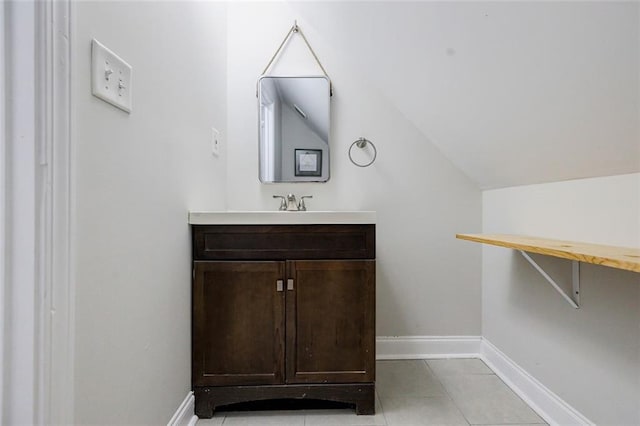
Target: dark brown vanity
[(284, 311)]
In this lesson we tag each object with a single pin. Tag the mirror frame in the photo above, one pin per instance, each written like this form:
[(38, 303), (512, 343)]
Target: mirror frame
[(299, 178)]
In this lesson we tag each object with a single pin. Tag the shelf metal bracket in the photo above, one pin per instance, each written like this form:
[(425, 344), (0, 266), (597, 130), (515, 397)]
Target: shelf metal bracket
[(575, 280)]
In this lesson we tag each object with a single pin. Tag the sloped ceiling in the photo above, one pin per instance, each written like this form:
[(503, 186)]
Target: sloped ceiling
[(512, 93)]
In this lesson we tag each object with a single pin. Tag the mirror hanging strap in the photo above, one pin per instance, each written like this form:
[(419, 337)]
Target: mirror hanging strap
[(296, 29)]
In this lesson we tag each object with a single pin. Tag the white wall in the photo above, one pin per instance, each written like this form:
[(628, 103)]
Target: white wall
[(422, 200), (590, 357), (508, 90), (137, 177)]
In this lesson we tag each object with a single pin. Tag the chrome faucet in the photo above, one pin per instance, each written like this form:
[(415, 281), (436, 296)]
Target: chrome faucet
[(292, 204), (289, 203)]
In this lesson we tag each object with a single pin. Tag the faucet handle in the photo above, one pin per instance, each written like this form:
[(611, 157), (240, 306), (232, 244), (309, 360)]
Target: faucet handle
[(301, 205), (283, 201)]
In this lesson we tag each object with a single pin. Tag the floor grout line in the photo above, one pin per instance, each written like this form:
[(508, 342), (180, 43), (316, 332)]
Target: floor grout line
[(381, 407), (492, 373), (446, 391)]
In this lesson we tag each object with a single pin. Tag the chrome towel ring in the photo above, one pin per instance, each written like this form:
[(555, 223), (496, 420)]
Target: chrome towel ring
[(362, 143)]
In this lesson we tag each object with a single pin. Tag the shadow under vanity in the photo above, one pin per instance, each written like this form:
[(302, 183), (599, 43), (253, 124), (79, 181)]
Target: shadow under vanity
[(283, 308)]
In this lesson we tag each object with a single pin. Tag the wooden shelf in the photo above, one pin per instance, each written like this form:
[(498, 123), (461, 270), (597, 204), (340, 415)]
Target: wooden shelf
[(612, 256)]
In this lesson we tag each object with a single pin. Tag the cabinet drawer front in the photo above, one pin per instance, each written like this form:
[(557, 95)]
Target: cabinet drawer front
[(279, 242)]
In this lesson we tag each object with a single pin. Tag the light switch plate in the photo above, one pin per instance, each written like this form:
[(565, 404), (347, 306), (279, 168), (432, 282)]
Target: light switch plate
[(110, 77), (215, 142)]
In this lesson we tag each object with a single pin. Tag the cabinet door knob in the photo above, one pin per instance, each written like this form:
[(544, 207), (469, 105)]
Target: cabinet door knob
[(279, 285), (290, 284)]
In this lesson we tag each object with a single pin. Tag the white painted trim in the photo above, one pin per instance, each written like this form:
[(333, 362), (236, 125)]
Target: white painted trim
[(547, 404), (425, 347), (20, 306), (63, 190), (184, 415), (54, 281), (541, 399), (4, 161), (42, 287)]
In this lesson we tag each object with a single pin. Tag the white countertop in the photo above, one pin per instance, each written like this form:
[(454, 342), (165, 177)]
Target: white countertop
[(281, 218)]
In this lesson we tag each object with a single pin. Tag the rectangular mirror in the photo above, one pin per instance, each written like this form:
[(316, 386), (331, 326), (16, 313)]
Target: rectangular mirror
[(293, 129)]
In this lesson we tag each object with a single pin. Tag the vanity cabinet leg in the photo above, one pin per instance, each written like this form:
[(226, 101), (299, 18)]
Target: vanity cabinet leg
[(204, 409), (366, 408)]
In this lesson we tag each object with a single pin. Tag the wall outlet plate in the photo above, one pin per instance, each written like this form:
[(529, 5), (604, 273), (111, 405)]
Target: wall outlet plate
[(215, 142), (110, 77)]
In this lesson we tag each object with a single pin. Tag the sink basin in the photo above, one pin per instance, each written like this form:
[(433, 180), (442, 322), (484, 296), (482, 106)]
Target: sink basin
[(281, 217)]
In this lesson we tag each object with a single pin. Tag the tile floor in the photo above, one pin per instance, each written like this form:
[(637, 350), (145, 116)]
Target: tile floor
[(413, 393)]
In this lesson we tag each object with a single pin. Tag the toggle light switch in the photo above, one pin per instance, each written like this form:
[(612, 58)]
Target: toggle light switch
[(105, 67), (215, 142)]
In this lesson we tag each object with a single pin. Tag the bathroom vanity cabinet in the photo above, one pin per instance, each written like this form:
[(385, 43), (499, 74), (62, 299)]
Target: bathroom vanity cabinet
[(283, 312)]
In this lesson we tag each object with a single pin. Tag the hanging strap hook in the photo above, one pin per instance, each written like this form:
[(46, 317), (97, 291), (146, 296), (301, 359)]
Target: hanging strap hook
[(296, 29)]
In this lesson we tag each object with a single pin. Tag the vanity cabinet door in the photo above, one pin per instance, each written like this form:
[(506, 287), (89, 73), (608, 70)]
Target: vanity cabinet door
[(238, 323), (331, 321)]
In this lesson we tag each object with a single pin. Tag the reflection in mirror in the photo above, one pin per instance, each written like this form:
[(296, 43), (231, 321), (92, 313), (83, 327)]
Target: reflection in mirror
[(294, 129)]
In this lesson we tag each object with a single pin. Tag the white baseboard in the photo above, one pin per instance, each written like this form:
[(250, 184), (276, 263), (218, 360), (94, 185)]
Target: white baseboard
[(184, 415), (547, 404), (425, 347)]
